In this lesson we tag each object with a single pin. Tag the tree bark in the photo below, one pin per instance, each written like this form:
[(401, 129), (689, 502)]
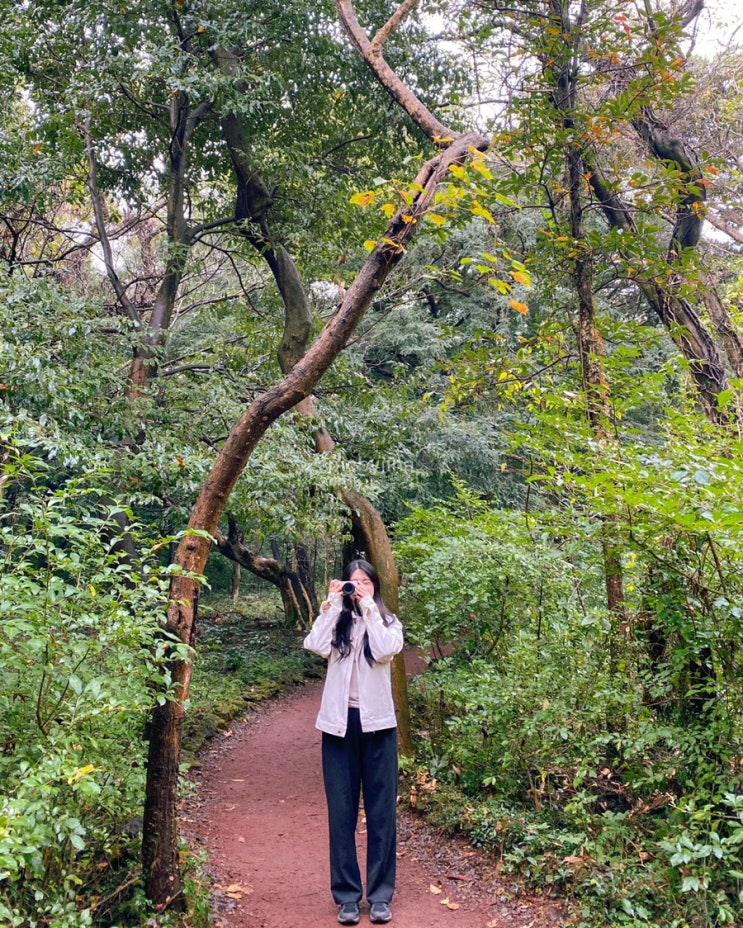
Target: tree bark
[(726, 329), (590, 344), (236, 580), (676, 313)]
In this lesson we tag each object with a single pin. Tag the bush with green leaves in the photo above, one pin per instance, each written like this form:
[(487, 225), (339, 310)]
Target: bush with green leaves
[(605, 766), (84, 658)]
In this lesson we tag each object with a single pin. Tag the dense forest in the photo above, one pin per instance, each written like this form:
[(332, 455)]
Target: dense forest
[(453, 284)]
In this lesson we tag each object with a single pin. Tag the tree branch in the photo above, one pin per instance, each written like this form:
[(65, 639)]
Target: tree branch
[(392, 23), (723, 225), (100, 222), (370, 51)]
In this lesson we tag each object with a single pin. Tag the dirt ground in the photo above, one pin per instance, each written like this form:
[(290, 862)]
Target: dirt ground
[(258, 809)]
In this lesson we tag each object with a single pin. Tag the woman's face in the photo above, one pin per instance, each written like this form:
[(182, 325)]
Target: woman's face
[(364, 584)]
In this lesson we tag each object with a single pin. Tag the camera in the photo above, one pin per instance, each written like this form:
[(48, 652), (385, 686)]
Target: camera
[(348, 588)]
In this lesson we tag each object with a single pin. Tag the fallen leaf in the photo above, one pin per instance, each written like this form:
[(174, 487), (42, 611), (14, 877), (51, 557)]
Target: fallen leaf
[(227, 734), (452, 905), (434, 889), (575, 860), (241, 839), (234, 890)]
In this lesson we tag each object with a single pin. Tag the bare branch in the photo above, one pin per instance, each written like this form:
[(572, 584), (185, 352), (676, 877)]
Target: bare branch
[(392, 23), (370, 51), (723, 225), (100, 221), (689, 10)]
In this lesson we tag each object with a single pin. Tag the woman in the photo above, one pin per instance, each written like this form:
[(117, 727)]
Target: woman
[(360, 636)]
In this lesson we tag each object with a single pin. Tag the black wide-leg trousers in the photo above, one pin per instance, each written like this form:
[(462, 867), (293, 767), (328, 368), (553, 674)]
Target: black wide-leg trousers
[(368, 761)]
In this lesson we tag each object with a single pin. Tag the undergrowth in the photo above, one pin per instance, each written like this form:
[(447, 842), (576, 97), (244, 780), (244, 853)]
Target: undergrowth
[(599, 759), (641, 828)]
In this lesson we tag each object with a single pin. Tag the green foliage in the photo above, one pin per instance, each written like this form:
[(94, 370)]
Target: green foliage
[(83, 655), (475, 577), (616, 779)]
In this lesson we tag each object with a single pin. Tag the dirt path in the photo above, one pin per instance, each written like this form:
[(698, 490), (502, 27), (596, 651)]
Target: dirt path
[(259, 811)]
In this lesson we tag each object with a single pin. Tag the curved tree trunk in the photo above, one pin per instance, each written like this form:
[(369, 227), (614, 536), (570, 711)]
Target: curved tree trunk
[(252, 206), (299, 609)]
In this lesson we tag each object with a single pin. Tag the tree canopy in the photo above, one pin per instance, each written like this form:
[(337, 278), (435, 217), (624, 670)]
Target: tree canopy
[(468, 272)]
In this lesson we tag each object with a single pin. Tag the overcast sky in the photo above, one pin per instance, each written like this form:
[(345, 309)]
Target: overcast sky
[(719, 22)]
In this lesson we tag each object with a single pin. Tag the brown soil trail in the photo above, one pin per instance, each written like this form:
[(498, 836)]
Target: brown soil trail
[(258, 809)]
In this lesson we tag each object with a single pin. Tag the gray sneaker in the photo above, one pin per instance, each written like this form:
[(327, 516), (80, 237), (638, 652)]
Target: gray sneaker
[(380, 913), (348, 914)]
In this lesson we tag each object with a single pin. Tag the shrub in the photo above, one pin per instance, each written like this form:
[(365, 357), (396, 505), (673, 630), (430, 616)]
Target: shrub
[(83, 654)]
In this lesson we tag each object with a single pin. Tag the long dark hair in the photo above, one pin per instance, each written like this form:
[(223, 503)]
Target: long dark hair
[(342, 635)]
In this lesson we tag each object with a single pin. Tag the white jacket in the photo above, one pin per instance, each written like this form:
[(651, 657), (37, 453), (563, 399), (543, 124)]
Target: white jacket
[(376, 708)]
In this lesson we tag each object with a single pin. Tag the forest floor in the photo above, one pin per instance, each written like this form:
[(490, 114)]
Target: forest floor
[(258, 809)]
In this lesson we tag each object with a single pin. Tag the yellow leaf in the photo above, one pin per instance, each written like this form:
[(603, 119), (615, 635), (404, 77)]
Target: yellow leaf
[(363, 199), (80, 773), (519, 307), (406, 218), (370, 244), (482, 168), (393, 244), (389, 209), (521, 278), (234, 890), (436, 890), (479, 210), (436, 219), (442, 140), (457, 170)]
